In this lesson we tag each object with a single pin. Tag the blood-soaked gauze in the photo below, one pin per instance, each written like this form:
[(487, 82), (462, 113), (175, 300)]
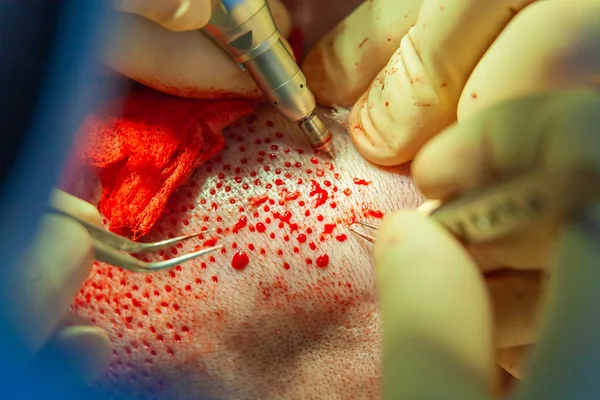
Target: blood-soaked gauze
[(145, 146)]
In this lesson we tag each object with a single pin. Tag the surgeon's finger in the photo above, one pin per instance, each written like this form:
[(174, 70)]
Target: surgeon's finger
[(343, 63), (515, 298), (186, 64), (416, 94), (522, 61), (550, 132), (435, 311), (563, 364), (175, 15), (513, 360), (38, 293), (83, 348), (70, 204)]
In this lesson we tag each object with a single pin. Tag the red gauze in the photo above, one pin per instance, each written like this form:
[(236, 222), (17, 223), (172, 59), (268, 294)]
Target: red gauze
[(145, 146)]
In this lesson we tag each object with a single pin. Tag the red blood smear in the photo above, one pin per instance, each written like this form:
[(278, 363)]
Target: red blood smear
[(291, 195), (285, 217), (257, 201), (321, 194), (375, 214), (260, 227), (323, 261), (328, 228), (210, 242), (341, 237), (240, 224), (240, 260), (361, 182), (296, 41), (145, 146)]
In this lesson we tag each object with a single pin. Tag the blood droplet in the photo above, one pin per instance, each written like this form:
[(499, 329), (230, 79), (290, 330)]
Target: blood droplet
[(323, 261), (240, 260), (375, 213), (341, 237), (260, 227), (328, 229), (358, 181), (210, 242), (320, 193), (240, 224)]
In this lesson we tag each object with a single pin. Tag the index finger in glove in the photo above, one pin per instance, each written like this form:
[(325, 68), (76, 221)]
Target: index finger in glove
[(416, 94), (342, 64), (38, 293)]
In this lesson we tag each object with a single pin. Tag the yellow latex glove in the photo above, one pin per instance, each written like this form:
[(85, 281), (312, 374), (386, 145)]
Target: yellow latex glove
[(436, 314), (157, 43), (413, 67), (38, 293)]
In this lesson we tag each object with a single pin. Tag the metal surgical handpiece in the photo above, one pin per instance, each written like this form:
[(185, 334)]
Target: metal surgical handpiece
[(247, 31)]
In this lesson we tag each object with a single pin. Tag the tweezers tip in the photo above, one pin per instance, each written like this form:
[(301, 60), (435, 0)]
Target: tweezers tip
[(211, 249), (367, 224), (362, 235)]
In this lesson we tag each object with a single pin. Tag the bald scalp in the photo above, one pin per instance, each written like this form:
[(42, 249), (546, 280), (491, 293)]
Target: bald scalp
[(299, 319)]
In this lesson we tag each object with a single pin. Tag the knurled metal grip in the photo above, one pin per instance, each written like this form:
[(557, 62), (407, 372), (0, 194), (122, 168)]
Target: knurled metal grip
[(247, 31)]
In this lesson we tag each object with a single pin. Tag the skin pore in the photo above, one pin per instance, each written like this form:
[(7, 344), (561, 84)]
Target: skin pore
[(288, 309)]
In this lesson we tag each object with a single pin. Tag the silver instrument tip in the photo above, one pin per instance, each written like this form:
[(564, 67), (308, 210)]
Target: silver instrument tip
[(317, 134), (327, 148), (330, 154)]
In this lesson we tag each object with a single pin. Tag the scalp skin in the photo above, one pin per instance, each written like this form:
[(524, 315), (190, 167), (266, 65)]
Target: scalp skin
[(301, 319), (287, 325)]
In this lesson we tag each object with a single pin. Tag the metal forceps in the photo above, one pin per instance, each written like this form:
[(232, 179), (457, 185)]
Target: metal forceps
[(513, 205), (113, 249)]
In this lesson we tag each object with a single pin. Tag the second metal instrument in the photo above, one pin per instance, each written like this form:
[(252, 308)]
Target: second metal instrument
[(513, 205), (247, 31)]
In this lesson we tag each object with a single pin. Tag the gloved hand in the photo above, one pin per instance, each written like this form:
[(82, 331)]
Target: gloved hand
[(37, 294), (157, 43), (437, 321), (448, 60)]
